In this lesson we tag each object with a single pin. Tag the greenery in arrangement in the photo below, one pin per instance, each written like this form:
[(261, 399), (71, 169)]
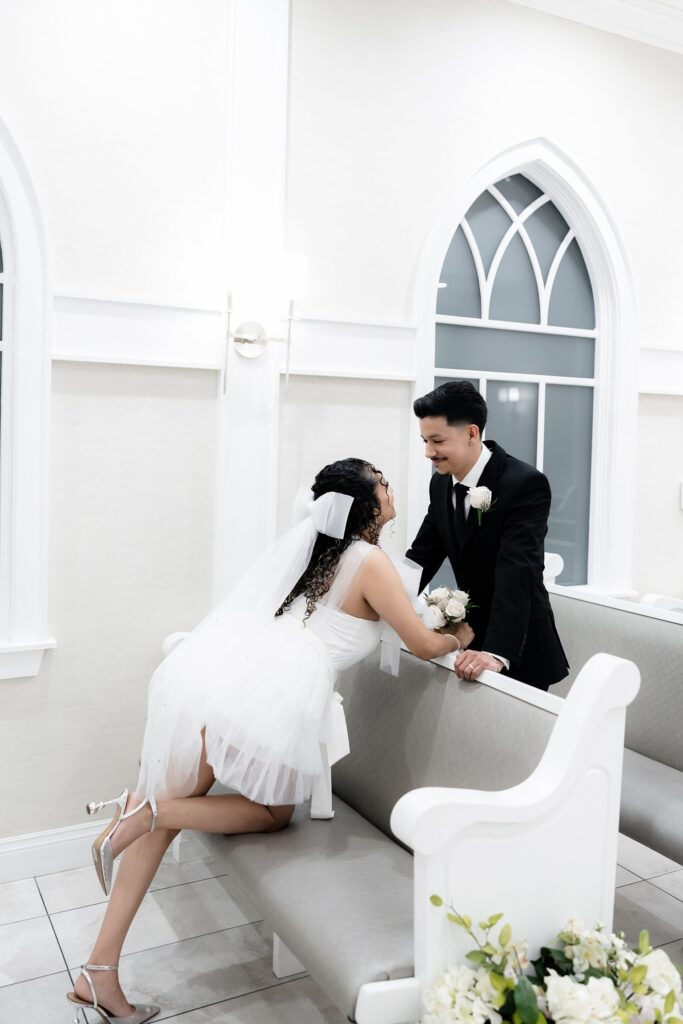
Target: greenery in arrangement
[(587, 977)]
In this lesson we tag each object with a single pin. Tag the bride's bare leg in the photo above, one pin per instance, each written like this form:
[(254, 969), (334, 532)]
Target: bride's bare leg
[(138, 867)]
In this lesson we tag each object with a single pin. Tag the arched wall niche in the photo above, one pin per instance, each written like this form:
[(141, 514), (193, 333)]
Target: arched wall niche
[(615, 406), (25, 418)]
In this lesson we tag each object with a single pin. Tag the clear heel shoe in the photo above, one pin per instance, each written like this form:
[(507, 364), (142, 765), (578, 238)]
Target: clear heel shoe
[(102, 854), (140, 1014)]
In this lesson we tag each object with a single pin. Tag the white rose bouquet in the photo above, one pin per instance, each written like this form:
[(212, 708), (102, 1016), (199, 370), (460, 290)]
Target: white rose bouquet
[(446, 608), (587, 977)]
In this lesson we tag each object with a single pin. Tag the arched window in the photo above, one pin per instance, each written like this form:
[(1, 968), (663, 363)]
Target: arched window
[(515, 315)]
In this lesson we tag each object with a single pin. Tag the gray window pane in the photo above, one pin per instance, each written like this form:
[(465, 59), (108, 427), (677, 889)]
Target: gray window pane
[(515, 292), (567, 464), (445, 577), (513, 417), (461, 295), (502, 351), (571, 299), (489, 222), (546, 229), (518, 191), (438, 381)]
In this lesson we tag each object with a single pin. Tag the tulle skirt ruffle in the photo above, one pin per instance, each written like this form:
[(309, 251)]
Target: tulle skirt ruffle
[(263, 693)]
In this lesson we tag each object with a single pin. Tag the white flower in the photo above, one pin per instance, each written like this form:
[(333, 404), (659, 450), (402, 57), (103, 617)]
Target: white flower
[(433, 617), (462, 596), (662, 977), (455, 610), (461, 994), (480, 497), (570, 1002), (440, 594)]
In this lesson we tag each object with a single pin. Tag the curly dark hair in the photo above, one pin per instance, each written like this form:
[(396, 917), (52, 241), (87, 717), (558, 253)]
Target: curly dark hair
[(358, 479)]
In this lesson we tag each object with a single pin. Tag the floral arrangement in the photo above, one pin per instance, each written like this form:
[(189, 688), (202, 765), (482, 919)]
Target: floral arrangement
[(588, 977), (446, 608)]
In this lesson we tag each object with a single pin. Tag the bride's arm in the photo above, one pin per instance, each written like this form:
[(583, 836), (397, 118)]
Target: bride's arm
[(382, 588)]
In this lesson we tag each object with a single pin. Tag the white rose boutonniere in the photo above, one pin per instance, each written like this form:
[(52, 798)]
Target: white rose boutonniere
[(481, 499)]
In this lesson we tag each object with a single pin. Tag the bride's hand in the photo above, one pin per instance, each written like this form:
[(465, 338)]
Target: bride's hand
[(463, 632)]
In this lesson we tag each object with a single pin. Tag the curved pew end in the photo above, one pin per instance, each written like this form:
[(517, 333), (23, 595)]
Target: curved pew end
[(390, 1002)]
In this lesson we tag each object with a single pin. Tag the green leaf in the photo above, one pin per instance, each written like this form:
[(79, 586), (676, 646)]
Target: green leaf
[(644, 942), (477, 956), (436, 900), (498, 981), (670, 1002), (455, 918), (526, 1003), (466, 921), (505, 935), (637, 974)]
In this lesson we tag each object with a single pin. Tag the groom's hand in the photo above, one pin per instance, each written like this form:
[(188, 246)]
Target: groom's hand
[(470, 664)]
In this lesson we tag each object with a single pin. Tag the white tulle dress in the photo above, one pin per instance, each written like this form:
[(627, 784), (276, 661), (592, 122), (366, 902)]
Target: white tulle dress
[(263, 690)]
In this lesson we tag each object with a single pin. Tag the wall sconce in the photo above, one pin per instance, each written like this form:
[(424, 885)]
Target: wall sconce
[(250, 337)]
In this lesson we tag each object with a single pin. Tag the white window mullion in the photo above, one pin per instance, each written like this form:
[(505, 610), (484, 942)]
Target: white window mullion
[(540, 426)]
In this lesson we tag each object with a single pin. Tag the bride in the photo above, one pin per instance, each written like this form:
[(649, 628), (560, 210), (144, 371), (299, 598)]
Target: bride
[(245, 698)]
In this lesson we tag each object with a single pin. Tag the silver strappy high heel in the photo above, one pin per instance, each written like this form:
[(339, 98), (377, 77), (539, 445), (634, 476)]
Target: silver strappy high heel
[(102, 855), (140, 1014)]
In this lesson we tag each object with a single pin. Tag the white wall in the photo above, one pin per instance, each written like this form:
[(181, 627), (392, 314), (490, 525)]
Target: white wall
[(121, 113), (659, 518), (325, 420), (132, 506), (120, 110), (394, 105)]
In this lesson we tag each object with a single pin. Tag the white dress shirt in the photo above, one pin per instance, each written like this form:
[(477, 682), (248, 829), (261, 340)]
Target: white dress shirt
[(471, 479)]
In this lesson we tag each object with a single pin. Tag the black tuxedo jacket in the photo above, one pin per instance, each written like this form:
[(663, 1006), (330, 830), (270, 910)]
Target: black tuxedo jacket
[(500, 565)]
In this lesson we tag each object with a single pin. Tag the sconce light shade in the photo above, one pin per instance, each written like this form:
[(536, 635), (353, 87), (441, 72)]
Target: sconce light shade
[(294, 276)]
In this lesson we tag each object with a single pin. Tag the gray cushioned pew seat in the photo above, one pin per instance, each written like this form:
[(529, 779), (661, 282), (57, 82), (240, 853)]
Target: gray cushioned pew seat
[(652, 804), (339, 893), (652, 785)]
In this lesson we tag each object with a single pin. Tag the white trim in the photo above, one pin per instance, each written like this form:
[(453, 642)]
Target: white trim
[(26, 412), (533, 378), (660, 371), (100, 330), (540, 426), (21, 661), (514, 325), (43, 853), (615, 411), (634, 607), (655, 22)]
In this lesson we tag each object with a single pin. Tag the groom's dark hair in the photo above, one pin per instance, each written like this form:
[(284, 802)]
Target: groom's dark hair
[(457, 400)]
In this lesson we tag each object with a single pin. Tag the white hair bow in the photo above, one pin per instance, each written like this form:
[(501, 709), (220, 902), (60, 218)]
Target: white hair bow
[(329, 512)]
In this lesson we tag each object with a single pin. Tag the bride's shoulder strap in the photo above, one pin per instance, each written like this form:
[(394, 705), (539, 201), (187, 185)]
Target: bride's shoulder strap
[(351, 562)]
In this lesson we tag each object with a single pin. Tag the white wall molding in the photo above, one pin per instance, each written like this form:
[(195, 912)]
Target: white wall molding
[(89, 328), (615, 407), (116, 330), (660, 371), (42, 853), (342, 348), (655, 22), (25, 420)]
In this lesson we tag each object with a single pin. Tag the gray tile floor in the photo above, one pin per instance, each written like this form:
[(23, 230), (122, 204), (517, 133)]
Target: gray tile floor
[(199, 948)]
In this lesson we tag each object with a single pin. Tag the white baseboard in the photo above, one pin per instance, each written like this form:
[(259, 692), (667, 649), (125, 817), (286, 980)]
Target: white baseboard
[(60, 849), (42, 853)]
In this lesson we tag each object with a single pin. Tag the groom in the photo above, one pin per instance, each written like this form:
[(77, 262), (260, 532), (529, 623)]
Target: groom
[(496, 553)]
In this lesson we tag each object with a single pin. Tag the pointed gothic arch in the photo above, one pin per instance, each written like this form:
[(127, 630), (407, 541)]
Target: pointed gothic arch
[(615, 402), (25, 417)]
